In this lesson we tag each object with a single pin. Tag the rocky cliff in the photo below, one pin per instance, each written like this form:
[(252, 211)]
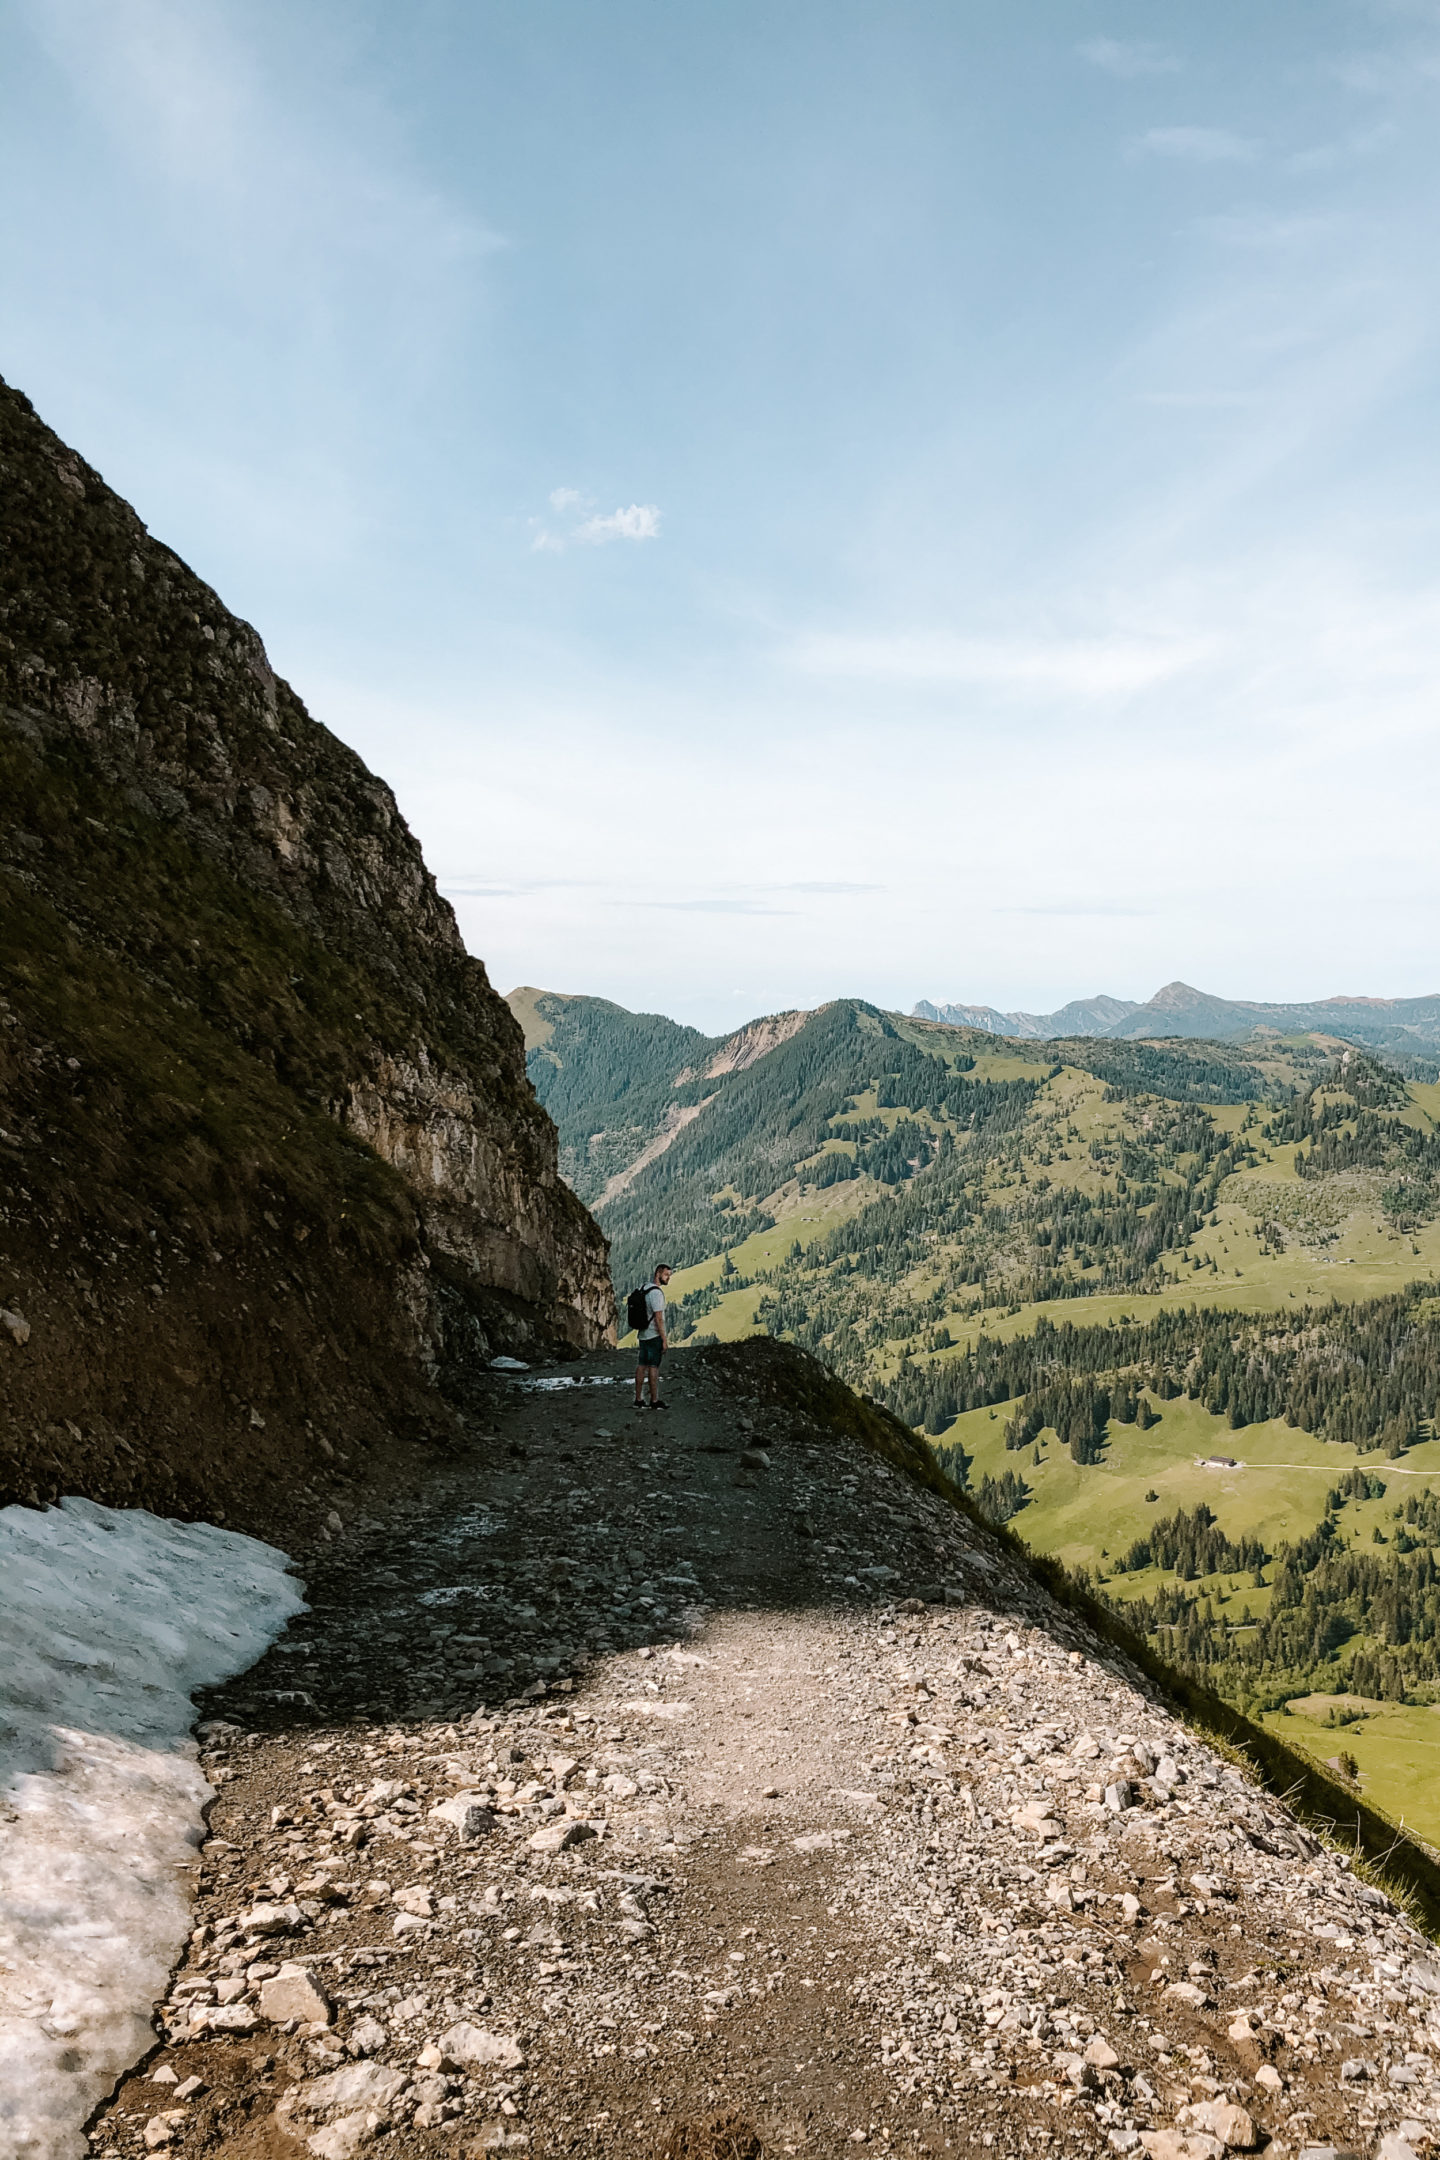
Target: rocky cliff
[(273, 1176)]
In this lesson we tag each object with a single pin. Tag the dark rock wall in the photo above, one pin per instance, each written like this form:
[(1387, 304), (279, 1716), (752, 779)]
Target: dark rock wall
[(269, 1162)]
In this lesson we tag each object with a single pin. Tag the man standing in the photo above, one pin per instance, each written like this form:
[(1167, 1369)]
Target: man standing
[(650, 1344)]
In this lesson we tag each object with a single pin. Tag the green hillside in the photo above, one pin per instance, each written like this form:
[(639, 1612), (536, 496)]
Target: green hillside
[(606, 1076), (1114, 1282)]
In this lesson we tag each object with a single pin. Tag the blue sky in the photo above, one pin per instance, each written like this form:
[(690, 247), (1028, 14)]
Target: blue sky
[(910, 500)]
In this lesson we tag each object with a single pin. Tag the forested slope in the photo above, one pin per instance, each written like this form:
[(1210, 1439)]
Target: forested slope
[(1085, 1269)]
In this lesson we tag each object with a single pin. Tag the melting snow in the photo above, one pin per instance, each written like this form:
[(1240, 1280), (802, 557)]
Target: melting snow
[(566, 1380), (109, 1619)]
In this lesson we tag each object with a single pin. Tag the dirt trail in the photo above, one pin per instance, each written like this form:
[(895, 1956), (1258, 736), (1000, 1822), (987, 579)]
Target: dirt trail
[(827, 1829)]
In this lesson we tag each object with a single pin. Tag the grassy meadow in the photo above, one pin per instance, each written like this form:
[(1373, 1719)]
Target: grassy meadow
[(1396, 1747), (986, 1186), (1089, 1515)]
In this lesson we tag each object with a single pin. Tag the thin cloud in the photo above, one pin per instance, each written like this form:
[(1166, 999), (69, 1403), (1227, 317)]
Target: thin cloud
[(640, 522), (586, 527), (1081, 910), (1196, 145), (1324, 157), (1082, 667), (1255, 230), (1199, 400), (186, 93), (467, 888), (829, 885), (485, 892), (704, 907), (1129, 58)]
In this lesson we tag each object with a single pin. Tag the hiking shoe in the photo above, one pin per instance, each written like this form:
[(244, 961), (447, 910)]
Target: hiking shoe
[(659, 1406), (640, 1405)]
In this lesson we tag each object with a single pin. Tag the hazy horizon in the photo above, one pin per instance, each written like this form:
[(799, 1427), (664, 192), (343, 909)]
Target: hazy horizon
[(927, 499), (1358, 997)]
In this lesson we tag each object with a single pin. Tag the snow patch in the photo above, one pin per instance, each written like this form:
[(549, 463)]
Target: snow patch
[(109, 1619), (564, 1380)]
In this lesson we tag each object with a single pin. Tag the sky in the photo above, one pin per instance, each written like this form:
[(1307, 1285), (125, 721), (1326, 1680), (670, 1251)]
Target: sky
[(924, 499)]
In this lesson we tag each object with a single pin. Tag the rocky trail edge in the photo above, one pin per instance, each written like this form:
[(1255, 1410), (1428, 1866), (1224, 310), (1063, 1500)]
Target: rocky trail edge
[(699, 1783)]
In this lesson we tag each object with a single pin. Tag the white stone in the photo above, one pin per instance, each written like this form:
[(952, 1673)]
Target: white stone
[(470, 2047), (272, 1919), (295, 1993), (339, 2140), (555, 1837), (469, 1817), (358, 2085), (1222, 2119), (1181, 2145), (1187, 1992), (232, 2018)]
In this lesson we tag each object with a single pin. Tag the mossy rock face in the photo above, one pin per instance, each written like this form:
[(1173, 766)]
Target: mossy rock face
[(238, 1026)]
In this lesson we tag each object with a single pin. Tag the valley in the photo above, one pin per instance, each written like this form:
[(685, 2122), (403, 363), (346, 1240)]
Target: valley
[(977, 1229), (298, 1271)]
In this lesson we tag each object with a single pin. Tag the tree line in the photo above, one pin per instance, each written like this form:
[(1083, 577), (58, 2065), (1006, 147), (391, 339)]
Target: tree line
[(1367, 1373)]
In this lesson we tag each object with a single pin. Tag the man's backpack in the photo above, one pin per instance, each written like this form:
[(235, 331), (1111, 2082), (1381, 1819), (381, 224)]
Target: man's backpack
[(637, 1309)]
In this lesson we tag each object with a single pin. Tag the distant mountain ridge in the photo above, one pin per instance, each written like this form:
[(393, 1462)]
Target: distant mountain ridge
[(1179, 1009), (1082, 1016)]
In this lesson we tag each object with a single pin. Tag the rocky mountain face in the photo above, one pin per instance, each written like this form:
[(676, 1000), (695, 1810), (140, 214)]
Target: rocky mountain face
[(274, 1177)]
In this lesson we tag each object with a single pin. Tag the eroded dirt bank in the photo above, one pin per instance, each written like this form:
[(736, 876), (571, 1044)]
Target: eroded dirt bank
[(828, 1829)]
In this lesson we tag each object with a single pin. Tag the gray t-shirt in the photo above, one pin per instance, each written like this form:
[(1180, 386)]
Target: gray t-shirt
[(654, 1303)]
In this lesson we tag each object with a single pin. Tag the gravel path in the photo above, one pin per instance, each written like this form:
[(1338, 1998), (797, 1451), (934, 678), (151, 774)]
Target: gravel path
[(696, 1784)]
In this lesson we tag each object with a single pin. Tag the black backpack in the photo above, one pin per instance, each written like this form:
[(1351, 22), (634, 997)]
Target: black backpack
[(637, 1309)]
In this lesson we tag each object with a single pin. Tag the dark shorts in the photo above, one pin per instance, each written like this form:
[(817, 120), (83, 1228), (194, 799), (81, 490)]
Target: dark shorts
[(649, 1352)]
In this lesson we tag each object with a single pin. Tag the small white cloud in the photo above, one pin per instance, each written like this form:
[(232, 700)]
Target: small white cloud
[(640, 522), (1129, 58), (1197, 145)]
